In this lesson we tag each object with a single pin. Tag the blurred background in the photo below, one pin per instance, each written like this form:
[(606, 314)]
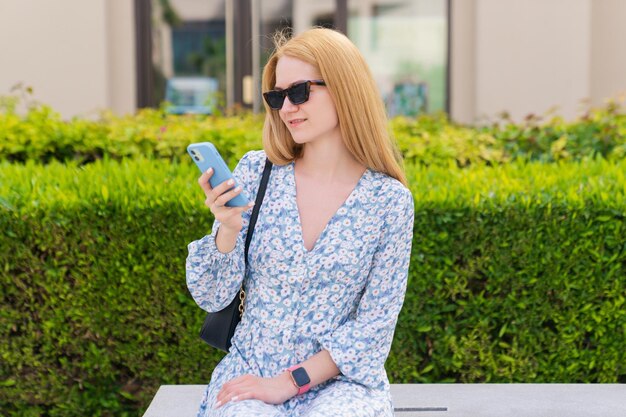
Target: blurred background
[(510, 118), (469, 58)]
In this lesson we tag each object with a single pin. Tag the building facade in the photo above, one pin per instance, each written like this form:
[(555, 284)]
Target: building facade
[(471, 58)]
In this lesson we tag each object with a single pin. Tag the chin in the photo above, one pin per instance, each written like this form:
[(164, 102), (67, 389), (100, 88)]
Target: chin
[(301, 139)]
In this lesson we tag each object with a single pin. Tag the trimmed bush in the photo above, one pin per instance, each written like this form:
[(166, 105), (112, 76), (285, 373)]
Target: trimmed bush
[(41, 135), (96, 314), (518, 274)]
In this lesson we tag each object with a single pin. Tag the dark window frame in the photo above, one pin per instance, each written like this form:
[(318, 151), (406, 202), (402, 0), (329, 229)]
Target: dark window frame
[(243, 53), (144, 73)]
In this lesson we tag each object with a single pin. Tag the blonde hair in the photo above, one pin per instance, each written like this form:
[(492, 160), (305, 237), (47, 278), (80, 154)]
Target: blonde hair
[(360, 110)]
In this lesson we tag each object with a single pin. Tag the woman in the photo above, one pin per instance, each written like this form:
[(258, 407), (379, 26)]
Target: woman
[(329, 257)]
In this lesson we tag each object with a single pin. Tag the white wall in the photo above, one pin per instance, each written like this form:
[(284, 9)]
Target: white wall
[(120, 37), (198, 9), (532, 55), (527, 56), (608, 53), (521, 56), (62, 49), (463, 61)]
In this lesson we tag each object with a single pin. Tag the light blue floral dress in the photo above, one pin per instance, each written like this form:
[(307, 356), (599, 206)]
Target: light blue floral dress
[(343, 296)]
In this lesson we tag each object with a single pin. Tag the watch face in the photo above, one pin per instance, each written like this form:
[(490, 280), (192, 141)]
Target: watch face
[(300, 376)]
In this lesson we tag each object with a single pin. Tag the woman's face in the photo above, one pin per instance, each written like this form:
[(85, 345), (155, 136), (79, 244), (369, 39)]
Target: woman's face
[(317, 117)]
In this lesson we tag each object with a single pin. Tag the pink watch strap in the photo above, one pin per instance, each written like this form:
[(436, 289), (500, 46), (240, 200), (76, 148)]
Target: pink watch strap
[(302, 389)]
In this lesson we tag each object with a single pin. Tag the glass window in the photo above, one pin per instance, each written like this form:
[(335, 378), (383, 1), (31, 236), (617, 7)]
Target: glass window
[(199, 48), (298, 15), (405, 44), (189, 54)]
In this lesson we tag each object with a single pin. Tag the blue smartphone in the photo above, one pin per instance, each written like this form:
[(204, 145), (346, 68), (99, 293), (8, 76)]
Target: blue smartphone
[(206, 156)]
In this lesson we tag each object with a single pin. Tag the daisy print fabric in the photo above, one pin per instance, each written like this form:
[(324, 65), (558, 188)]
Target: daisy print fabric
[(344, 295)]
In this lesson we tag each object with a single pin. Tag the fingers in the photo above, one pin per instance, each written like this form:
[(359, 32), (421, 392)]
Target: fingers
[(219, 208), (204, 181), (230, 212), (243, 396), (223, 187), (217, 197), (225, 197), (238, 389)]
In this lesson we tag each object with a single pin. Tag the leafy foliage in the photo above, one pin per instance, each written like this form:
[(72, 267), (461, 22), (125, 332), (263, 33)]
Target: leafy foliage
[(517, 274), (96, 314), (40, 134)]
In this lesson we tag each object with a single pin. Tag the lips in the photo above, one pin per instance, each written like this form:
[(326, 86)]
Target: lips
[(296, 122)]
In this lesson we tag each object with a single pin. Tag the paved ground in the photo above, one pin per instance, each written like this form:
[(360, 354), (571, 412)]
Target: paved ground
[(454, 400)]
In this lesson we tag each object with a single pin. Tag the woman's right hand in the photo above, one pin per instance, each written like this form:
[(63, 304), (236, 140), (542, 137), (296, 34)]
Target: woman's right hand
[(216, 199)]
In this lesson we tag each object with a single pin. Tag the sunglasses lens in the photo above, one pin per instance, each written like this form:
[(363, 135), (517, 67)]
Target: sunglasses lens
[(298, 93), (274, 99)]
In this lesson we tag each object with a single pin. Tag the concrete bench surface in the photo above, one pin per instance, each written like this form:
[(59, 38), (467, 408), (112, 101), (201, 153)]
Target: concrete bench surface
[(453, 400)]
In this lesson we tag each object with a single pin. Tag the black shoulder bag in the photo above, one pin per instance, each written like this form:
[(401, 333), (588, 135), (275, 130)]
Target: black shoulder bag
[(219, 327)]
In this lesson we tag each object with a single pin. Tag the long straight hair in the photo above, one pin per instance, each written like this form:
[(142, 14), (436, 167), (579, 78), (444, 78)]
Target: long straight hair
[(360, 110)]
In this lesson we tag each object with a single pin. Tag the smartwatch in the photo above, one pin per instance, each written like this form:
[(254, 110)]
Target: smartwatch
[(300, 378)]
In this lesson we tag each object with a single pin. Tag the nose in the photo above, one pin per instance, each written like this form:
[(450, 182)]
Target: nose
[(288, 106)]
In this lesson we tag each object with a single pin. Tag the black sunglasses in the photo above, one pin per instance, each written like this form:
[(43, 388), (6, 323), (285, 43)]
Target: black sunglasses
[(298, 93)]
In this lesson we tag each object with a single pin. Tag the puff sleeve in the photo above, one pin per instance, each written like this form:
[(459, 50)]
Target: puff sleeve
[(361, 344), (214, 278)]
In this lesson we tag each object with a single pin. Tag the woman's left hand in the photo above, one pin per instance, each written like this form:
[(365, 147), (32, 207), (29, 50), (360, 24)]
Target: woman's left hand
[(274, 390)]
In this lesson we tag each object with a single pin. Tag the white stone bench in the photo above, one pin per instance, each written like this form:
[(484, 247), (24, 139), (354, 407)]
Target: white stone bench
[(453, 400)]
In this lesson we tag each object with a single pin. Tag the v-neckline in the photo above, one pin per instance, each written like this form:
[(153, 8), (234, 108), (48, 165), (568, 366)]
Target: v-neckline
[(345, 203)]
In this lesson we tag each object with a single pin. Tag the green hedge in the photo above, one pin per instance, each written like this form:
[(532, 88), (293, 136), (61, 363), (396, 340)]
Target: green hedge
[(42, 135), (517, 275), (96, 314)]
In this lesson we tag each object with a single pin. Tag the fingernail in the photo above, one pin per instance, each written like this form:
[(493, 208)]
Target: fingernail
[(231, 182), (250, 204), (234, 398), (238, 188), (217, 404), (208, 171)]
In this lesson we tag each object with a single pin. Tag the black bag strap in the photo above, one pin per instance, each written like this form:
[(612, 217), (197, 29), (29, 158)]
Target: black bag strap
[(257, 205)]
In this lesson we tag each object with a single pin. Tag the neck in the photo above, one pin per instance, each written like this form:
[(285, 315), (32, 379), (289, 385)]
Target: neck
[(329, 161)]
